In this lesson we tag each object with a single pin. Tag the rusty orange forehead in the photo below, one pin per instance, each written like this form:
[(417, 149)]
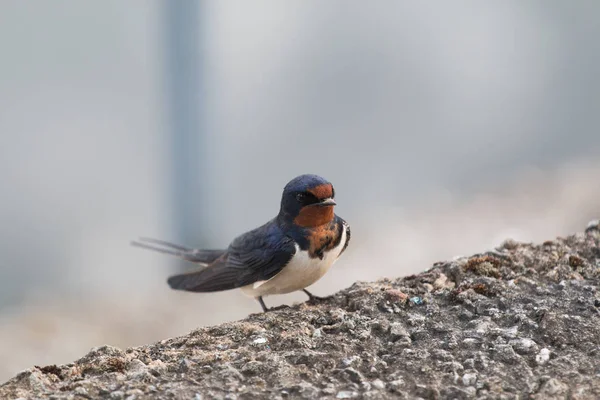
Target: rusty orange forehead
[(323, 191)]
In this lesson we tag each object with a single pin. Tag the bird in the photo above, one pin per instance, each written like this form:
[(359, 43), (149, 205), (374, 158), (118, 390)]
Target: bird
[(288, 253)]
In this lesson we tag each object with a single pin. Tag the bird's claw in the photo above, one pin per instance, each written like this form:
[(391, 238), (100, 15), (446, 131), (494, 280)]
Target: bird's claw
[(312, 299), (318, 300), (281, 307)]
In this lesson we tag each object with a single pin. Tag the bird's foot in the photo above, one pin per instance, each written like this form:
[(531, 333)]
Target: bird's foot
[(312, 299), (266, 309), (281, 307)]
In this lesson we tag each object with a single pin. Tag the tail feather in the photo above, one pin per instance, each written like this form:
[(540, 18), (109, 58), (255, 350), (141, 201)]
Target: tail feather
[(188, 254), (164, 243)]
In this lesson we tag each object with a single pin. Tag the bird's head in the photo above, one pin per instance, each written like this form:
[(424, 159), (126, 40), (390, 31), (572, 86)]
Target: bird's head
[(308, 201)]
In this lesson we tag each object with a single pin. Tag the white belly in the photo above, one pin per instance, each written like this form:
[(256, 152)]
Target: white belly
[(300, 272)]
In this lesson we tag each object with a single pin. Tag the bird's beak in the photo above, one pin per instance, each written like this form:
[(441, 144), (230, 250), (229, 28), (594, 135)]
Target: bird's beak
[(326, 202)]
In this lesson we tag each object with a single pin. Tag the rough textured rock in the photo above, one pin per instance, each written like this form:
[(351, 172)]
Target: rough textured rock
[(522, 321)]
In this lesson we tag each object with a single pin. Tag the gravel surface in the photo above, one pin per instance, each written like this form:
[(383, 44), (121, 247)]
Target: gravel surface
[(522, 321)]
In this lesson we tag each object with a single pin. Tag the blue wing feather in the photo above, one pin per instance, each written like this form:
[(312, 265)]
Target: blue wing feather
[(254, 256)]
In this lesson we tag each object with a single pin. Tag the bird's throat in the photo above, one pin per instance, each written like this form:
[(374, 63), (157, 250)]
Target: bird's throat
[(312, 216)]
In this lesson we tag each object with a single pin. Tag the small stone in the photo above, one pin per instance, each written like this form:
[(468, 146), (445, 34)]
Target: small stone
[(380, 326), (329, 390), (364, 335), (466, 315), (307, 390), (543, 356), (36, 381), (317, 333), (523, 346), (396, 385), (117, 394), (81, 391), (398, 331), (442, 282), (378, 384), (353, 375), (396, 296), (133, 394), (509, 244), (348, 325), (505, 353), (185, 365), (349, 361), (346, 394), (553, 387), (259, 341), (471, 343), (593, 225), (252, 367), (157, 367), (136, 367), (206, 369), (469, 379)]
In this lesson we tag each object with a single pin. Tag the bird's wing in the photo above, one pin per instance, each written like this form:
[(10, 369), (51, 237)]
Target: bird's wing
[(186, 253), (255, 256)]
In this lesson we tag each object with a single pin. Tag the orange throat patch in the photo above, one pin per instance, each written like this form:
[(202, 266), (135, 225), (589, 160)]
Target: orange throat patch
[(311, 216)]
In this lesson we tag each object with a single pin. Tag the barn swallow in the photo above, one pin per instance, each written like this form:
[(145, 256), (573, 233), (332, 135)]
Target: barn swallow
[(289, 253)]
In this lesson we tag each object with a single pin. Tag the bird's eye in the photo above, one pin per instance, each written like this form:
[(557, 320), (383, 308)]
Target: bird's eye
[(300, 197)]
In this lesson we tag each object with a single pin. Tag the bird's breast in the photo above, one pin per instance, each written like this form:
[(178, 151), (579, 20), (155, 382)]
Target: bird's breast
[(301, 271), (325, 238)]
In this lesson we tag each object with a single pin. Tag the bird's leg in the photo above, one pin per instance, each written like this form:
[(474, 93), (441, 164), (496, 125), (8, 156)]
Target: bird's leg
[(262, 303), (264, 306), (315, 299)]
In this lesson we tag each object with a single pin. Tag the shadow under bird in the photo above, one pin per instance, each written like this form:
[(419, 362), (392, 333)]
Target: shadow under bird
[(289, 253)]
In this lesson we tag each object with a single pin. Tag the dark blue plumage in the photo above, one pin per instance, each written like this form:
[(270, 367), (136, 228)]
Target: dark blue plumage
[(290, 206), (256, 255), (306, 224)]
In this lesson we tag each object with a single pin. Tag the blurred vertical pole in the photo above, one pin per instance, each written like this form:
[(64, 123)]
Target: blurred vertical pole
[(185, 94)]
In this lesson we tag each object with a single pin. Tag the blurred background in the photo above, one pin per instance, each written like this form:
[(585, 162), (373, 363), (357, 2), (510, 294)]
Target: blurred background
[(445, 127)]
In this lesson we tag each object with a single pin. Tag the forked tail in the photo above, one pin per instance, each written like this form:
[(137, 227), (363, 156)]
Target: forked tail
[(186, 253)]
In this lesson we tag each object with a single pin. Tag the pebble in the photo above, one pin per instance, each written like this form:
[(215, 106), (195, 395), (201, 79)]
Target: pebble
[(378, 384), (398, 331), (523, 346), (136, 367), (553, 387), (471, 343), (396, 385), (117, 394), (593, 225), (469, 379), (346, 394), (543, 356), (260, 340), (354, 375), (506, 353)]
